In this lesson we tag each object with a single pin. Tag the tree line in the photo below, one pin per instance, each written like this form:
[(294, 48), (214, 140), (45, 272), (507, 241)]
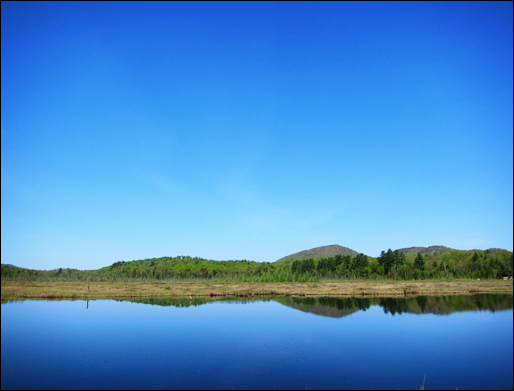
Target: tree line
[(398, 266), (389, 265)]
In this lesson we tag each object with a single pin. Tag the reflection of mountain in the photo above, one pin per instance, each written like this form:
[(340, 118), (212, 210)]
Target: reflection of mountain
[(311, 306), (183, 302), (339, 307), (170, 301)]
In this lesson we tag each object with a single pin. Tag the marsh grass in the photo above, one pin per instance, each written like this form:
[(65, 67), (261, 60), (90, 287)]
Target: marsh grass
[(55, 290)]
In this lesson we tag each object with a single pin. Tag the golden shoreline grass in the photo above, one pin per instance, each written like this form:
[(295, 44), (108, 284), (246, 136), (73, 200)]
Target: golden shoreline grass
[(76, 290)]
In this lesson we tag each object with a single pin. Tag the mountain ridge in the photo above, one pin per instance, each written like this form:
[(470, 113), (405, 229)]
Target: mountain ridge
[(335, 249), (319, 252), (427, 250)]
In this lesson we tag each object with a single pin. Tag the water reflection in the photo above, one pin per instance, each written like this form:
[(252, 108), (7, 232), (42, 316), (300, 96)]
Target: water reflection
[(280, 342), (339, 307), (439, 305)]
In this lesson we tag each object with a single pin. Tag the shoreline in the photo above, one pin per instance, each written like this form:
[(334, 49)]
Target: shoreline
[(154, 289)]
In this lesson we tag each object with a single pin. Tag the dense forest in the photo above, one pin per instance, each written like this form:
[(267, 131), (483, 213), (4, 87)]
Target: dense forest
[(493, 263)]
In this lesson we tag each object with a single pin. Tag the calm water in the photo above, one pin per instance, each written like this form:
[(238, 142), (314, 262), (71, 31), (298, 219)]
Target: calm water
[(283, 342)]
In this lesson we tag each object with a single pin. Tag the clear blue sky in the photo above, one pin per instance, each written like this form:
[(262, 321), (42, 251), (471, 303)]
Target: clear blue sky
[(252, 130)]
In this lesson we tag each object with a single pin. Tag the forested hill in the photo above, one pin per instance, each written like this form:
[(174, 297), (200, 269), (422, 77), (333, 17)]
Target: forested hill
[(443, 249), (180, 267), (319, 252), (426, 250), (309, 266)]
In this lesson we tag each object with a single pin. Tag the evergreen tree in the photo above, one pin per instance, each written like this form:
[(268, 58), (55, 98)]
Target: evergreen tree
[(321, 266), (419, 262), (308, 266), (296, 267), (347, 260), (386, 260), (399, 258), (361, 261)]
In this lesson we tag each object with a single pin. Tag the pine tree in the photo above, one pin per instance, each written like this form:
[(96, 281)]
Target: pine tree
[(419, 262)]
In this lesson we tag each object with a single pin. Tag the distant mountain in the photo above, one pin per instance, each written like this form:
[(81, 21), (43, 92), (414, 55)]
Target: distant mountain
[(319, 252), (426, 250), (333, 250), (443, 249), (8, 264)]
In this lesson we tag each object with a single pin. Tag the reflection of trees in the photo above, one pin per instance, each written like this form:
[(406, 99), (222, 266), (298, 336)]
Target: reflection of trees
[(171, 302), (344, 303), (490, 302), (343, 306), (306, 301), (439, 305), (422, 302), (394, 305), (183, 302)]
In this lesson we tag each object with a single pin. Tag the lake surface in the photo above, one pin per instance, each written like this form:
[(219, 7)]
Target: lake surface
[(275, 343)]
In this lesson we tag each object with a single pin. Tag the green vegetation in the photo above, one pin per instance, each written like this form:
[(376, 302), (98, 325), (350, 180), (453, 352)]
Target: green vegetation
[(162, 269), (390, 265)]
